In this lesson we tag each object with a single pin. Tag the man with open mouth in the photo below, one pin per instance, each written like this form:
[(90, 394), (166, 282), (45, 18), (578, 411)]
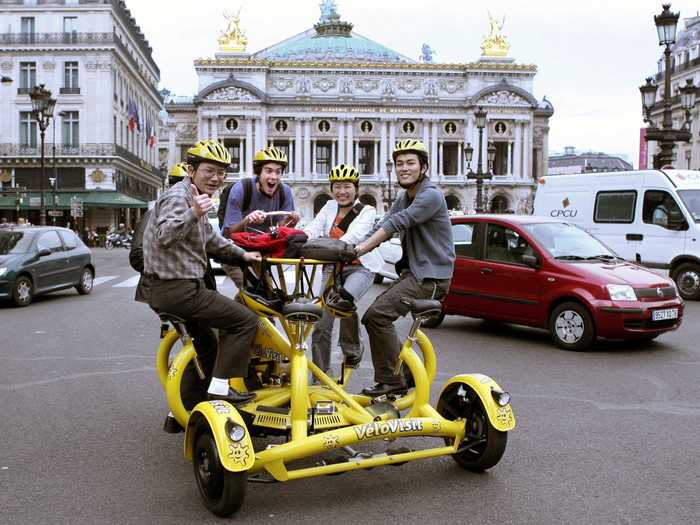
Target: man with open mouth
[(251, 199)]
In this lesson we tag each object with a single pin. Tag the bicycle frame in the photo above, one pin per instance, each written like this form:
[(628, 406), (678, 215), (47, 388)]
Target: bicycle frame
[(323, 417)]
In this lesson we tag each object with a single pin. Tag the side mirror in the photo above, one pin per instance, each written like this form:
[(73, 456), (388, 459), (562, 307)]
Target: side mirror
[(44, 252), (530, 260)]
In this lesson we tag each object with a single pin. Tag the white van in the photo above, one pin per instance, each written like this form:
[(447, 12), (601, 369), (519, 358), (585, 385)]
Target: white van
[(651, 217)]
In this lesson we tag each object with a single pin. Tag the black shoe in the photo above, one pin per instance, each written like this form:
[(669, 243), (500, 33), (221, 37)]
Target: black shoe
[(352, 361), (234, 397), (383, 389), (171, 426)]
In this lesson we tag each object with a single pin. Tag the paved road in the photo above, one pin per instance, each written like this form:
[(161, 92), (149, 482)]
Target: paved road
[(609, 436)]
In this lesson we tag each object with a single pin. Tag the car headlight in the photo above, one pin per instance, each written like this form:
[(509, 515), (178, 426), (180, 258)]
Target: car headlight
[(621, 292), (2, 271)]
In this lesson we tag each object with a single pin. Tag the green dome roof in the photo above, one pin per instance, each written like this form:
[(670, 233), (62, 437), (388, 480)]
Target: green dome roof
[(323, 45)]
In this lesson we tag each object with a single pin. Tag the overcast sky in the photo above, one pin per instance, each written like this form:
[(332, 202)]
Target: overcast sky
[(592, 55)]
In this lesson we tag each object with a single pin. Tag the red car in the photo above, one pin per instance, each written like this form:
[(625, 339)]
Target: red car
[(552, 274)]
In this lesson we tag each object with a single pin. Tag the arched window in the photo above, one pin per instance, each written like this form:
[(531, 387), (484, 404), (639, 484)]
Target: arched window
[(499, 204), (453, 202), (320, 201), (367, 198)]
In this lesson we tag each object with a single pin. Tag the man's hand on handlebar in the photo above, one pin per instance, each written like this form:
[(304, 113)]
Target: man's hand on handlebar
[(254, 217), (252, 257), (293, 219)]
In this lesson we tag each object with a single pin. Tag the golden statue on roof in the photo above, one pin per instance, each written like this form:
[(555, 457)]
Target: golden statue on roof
[(233, 39), (495, 45)]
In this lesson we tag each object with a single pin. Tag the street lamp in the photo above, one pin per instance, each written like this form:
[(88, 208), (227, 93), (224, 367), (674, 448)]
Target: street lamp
[(388, 196), (667, 135), (480, 176), (42, 111)]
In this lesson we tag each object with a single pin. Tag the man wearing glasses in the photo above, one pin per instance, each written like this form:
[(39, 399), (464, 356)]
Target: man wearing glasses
[(177, 241)]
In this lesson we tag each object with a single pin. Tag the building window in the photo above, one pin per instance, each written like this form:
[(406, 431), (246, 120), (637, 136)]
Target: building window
[(70, 78), (27, 25), (27, 130), (450, 156), (365, 161), (324, 126), (408, 127), (235, 148), (71, 137), (27, 76), (366, 126), (614, 206), (70, 24), (450, 128), (323, 157), (231, 124), (281, 126)]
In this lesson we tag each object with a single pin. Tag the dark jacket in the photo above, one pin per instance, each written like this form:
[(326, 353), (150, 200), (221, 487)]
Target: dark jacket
[(136, 262)]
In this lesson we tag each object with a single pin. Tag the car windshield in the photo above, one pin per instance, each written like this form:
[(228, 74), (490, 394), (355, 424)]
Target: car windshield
[(691, 199), (14, 242), (569, 242)]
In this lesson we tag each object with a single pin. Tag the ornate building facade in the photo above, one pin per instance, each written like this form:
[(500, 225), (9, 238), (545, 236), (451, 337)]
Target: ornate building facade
[(329, 95)]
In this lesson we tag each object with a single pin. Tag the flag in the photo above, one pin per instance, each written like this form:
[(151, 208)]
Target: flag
[(152, 136), (131, 113)]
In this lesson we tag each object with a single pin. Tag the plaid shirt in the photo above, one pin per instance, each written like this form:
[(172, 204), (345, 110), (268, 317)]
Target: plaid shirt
[(176, 243)]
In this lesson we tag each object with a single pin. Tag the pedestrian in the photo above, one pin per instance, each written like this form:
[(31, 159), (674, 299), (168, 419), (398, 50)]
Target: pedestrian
[(177, 240), (420, 216)]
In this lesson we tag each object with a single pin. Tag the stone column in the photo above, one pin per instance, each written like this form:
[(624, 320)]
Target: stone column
[(509, 170), (485, 147), (383, 147), (426, 136), (350, 143), (298, 148), (214, 126), (313, 157), (460, 158), (356, 145), (441, 159), (545, 151), (172, 150), (241, 164), (307, 147), (341, 141), (334, 144), (527, 151), (291, 157), (517, 151), (249, 145), (392, 136), (263, 130), (434, 148), (376, 158)]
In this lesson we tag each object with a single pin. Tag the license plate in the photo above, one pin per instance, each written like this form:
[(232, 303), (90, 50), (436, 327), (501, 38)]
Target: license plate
[(663, 315), (505, 416)]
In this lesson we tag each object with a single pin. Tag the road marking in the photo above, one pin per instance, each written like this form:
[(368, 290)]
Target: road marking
[(129, 283), (100, 280)]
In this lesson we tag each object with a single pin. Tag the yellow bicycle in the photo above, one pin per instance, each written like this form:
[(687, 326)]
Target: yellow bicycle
[(471, 419)]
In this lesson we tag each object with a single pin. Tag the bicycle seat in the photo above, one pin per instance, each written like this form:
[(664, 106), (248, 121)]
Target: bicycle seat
[(302, 311), (422, 307), (171, 318)]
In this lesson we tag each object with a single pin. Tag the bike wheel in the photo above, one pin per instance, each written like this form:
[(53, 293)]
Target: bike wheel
[(222, 491), (483, 445)]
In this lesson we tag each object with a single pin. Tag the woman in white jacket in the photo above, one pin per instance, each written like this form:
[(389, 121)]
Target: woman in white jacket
[(347, 219)]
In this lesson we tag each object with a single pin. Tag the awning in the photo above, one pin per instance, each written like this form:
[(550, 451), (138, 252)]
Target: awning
[(91, 199)]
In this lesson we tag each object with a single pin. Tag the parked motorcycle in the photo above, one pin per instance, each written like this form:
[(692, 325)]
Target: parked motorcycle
[(118, 240)]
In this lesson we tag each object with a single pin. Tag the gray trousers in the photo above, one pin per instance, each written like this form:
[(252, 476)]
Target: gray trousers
[(387, 308), (237, 324), (235, 274), (356, 280)]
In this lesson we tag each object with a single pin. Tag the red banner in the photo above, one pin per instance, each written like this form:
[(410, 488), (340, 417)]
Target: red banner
[(642, 148)]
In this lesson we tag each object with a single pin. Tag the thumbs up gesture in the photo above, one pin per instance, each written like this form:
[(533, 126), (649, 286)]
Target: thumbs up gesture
[(202, 202)]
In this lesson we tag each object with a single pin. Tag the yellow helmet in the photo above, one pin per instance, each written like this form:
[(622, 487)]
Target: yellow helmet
[(179, 170), (339, 302), (210, 150), (410, 146), (344, 173), (270, 154)]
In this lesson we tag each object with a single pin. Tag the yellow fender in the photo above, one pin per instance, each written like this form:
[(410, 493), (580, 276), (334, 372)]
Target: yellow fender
[(502, 418), (235, 456), (163, 355)]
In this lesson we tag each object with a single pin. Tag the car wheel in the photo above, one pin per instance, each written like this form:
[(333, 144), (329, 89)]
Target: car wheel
[(85, 284), (433, 321), (571, 326), (378, 278), (687, 278), (23, 291)]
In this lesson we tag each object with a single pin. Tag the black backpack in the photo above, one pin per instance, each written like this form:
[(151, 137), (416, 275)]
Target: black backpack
[(247, 195)]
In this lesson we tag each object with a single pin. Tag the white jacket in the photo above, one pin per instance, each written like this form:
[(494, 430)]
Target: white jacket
[(357, 231)]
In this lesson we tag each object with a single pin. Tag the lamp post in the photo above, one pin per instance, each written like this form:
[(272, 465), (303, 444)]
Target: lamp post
[(480, 175), (42, 111), (388, 196), (666, 135)]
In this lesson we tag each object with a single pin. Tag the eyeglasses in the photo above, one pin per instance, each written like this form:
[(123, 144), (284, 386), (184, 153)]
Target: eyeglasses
[(211, 173)]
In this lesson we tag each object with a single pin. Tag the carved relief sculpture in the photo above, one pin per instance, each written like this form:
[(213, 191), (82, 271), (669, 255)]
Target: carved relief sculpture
[(503, 98), (231, 94)]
